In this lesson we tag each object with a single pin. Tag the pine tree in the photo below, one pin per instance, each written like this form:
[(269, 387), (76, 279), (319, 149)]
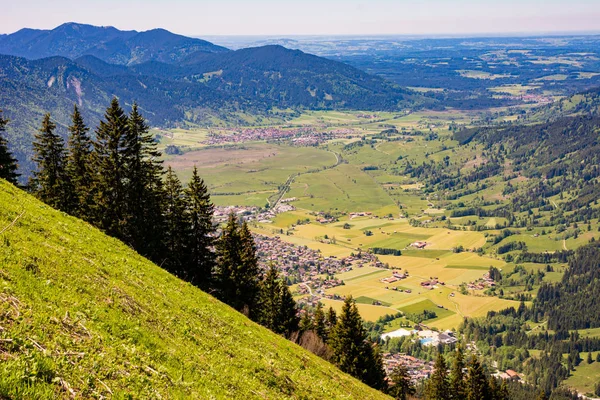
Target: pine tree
[(319, 323), (8, 164), (288, 314), (457, 391), (589, 358), (200, 211), (49, 180), (79, 166), (402, 386), (270, 299), (249, 275), (238, 275), (176, 226), (352, 353), (142, 176), (438, 385), (331, 320), (306, 322), (374, 374), (110, 208), (476, 384)]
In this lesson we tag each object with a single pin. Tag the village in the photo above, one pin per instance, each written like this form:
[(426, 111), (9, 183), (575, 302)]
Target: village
[(303, 136), (300, 264)]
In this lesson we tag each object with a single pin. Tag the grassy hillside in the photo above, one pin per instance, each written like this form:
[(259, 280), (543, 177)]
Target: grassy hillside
[(81, 315)]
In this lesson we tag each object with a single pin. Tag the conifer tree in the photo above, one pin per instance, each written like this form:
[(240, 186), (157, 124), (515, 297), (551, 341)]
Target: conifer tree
[(498, 390), (277, 307), (288, 314), (476, 384), (8, 164), (176, 225), (352, 353), (374, 372), (319, 323), (110, 208), (402, 386), (331, 319), (270, 299), (200, 211), (457, 389), (79, 166), (238, 275), (438, 385), (143, 172), (49, 182), (306, 322)]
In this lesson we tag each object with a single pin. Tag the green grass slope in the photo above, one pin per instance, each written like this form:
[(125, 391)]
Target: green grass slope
[(83, 316)]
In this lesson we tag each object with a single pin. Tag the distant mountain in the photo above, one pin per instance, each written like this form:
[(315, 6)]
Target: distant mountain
[(74, 40), (174, 79)]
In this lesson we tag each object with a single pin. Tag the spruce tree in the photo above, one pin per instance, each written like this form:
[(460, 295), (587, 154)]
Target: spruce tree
[(476, 384), (306, 322), (438, 385), (79, 166), (402, 386), (110, 208), (270, 299), (319, 324), (142, 176), (457, 389), (8, 164), (200, 211), (331, 319), (249, 275), (352, 353), (277, 307), (176, 225), (237, 271), (49, 181), (287, 320)]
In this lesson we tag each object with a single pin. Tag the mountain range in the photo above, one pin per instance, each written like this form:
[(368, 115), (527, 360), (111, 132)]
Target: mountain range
[(174, 79), (73, 40)]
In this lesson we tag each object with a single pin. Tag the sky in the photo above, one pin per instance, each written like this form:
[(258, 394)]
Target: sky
[(310, 17)]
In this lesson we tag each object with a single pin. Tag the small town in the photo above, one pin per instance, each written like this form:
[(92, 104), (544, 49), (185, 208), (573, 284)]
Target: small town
[(303, 136)]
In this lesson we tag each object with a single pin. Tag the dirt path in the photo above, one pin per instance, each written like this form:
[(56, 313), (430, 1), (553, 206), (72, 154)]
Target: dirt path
[(456, 305)]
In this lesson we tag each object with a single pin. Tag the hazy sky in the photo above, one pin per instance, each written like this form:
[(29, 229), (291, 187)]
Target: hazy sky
[(283, 17)]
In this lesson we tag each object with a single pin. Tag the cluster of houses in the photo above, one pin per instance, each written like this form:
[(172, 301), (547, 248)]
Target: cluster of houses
[(427, 337), (246, 213), (396, 276), (254, 134), (417, 369), (482, 283), (301, 136), (432, 283), (303, 264)]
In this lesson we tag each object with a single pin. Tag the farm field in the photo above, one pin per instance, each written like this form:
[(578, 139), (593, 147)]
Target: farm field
[(365, 172), (584, 378)]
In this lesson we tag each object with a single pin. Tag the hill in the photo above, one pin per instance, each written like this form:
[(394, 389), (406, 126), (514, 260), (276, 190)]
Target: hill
[(73, 40), (200, 89), (82, 315)]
